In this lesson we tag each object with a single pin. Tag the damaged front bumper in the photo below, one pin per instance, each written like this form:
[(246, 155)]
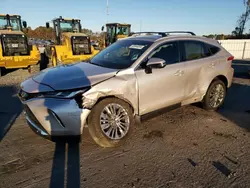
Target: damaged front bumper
[(51, 117)]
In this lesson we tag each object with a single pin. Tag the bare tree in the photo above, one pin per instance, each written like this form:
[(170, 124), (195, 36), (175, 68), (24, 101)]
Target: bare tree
[(241, 23)]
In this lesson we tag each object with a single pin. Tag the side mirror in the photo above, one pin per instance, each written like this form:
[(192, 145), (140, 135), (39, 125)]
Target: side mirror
[(102, 28), (47, 25), (24, 24), (156, 63)]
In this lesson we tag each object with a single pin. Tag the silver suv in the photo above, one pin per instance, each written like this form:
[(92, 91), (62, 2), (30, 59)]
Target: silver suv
[(129, 81)]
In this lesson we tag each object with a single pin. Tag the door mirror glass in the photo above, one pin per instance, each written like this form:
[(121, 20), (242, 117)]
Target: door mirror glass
[(102, 28), (47, 25), (156, 63)]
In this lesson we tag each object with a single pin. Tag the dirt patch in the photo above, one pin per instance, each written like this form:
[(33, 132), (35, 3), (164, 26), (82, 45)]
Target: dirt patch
[(153, 134), (188, 147), (225, 135)]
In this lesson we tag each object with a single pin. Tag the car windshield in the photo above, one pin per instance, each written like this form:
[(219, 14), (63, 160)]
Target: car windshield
[(122, 54)]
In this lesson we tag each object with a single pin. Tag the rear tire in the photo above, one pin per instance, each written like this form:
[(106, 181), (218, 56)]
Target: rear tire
[(215, 96), (105, 126)]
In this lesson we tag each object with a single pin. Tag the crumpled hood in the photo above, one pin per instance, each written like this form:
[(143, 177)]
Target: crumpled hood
[(74, 76)]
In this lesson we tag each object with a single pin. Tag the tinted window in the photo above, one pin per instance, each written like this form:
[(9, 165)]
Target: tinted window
[(169, 52), (213, 49), (194, 50), (206, 50)]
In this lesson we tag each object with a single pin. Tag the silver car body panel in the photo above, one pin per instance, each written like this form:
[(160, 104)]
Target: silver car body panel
[(74, 76), (30, 86), (123, 86), (59, 117)]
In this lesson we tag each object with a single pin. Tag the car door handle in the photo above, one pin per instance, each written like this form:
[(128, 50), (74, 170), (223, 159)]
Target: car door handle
[(212, 65), (179, 73)]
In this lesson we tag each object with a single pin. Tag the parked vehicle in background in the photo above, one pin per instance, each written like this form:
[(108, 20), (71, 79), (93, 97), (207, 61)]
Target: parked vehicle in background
[(116, 31), (71, 45), (15, 52), (131, 80)]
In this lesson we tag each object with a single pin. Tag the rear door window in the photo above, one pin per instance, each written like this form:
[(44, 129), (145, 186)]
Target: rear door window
[(193, 50)]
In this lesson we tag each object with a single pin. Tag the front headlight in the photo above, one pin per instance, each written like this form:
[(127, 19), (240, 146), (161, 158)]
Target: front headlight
[(62, 94)]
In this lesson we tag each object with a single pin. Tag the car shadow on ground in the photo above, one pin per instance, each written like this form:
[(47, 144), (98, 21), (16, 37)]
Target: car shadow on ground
[(237, 105), (66, 159), (10, 108)]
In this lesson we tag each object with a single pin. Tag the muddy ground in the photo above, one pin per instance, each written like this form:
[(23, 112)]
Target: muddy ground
[(188, 147)]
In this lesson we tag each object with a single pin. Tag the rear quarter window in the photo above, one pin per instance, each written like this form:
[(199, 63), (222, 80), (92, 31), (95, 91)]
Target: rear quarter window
[(213, 49)]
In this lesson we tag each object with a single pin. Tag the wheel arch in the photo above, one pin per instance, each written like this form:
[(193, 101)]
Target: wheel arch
[(117, 97), (218, 77), (205, 103), (222, 78)]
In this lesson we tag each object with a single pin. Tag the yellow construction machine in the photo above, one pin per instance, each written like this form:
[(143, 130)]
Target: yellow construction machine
[(71, 45), (116, 31), (15, 52)]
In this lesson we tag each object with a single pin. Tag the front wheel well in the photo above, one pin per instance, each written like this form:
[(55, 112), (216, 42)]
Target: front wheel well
[(115, 97)]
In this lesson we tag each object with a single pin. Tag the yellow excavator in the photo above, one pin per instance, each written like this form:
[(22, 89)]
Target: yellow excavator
[(116, 31), (15, 52), (70, 44)]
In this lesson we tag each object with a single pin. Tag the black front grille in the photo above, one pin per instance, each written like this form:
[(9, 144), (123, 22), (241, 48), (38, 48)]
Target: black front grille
[(15, 45), (81, 45)]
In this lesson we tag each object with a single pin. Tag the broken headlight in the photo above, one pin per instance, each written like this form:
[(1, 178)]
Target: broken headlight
[(62, 94)]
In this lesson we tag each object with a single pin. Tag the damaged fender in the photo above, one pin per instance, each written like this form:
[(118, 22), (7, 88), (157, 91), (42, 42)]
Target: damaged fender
[(122, 86)]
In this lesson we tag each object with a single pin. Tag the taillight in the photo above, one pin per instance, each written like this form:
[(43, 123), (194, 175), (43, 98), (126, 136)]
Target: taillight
[(231, 58)]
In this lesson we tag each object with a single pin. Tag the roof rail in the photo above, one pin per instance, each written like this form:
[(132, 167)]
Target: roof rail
[(188, 32), (163, 34)]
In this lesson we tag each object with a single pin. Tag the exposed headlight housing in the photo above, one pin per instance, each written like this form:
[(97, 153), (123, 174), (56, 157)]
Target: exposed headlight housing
[(62, 94), (54, 94)]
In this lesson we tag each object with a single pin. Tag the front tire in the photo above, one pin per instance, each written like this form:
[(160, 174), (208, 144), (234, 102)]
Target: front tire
[(215, 96), (110, 122)]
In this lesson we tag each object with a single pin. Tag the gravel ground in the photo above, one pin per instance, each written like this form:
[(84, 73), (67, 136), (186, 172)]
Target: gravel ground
[(187, 147)]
